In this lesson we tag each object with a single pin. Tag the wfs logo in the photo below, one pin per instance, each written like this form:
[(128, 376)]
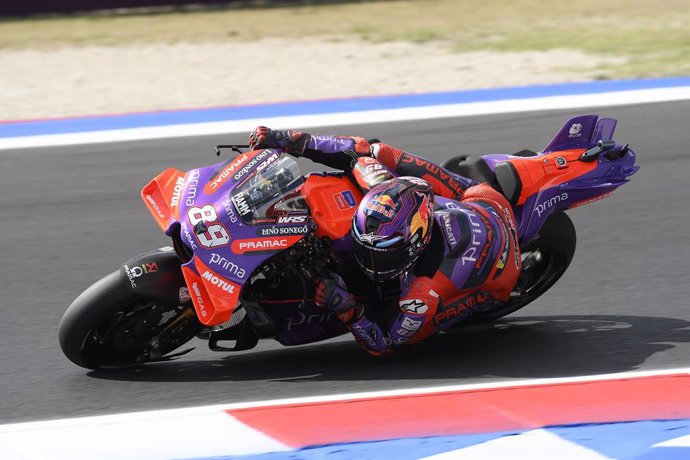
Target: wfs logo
[(576, 130)]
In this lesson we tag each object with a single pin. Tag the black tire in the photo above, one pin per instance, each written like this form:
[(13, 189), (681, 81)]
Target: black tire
[(555, 247), (110, 327)]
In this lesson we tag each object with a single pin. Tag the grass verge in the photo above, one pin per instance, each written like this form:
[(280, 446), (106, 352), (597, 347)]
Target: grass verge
[(654, 37)]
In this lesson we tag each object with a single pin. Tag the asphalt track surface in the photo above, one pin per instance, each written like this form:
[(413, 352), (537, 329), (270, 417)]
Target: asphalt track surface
[(71, 215)]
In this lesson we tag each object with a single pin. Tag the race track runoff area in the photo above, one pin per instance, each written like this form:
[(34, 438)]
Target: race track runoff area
[(643, 415)]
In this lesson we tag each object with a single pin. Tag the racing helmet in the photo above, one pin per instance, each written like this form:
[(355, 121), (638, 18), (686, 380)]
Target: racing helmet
[(392, 226)]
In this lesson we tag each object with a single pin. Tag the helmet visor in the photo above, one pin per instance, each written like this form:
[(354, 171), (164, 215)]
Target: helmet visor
[(382, 264)]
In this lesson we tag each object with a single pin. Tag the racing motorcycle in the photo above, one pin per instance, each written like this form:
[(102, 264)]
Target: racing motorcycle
[(251, 234)]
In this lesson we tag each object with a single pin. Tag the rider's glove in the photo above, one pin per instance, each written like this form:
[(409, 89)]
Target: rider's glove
[(332, 293), (289, 140), (370, 336)]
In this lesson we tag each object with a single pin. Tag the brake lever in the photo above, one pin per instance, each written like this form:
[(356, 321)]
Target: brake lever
[(233, 147)]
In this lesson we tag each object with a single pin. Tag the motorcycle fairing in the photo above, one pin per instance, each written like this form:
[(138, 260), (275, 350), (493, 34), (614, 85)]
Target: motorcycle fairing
[(224, 245), (333, 200), (558, 178), (162, 197), (214, 297)]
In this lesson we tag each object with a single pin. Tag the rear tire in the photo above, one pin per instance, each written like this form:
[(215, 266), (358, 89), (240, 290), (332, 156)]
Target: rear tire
[(110, 327), (545, 259)]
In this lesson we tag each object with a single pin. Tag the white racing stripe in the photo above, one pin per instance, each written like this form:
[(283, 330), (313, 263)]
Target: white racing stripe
[(609, 99), (532, 445), (156, 435)]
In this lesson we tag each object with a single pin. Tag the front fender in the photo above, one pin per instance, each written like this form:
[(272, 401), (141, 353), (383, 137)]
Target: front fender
[(156, 274)]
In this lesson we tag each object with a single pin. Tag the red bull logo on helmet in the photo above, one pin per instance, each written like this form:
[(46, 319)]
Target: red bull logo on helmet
[(382, 204), (420, 219)]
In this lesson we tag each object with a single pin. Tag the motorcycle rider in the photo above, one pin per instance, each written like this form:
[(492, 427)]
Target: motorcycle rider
[(451, 241)]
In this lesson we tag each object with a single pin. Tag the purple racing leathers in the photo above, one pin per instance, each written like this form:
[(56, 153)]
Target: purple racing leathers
[(473, 258)]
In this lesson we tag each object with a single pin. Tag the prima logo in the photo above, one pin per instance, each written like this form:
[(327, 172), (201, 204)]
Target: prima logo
[(550, 203), (227, 265)]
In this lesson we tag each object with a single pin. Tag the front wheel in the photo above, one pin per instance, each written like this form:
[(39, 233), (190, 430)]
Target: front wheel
[(108, 326), (544, 260)]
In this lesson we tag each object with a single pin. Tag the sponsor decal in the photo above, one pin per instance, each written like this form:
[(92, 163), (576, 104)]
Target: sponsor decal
[(267, 162), (408, 328), (435, 171), (382, 204), (461, 308), (362, 333), (139, 270), (308, 319), (575, 130), (336, 139), (277, 231), (177, 190), (199, 299), (192, 186), (188, 236), (511, 227), (417, 180), (241, 204), (420, 220), (184, 295), (550, 203), (229, 210), (470, 254), (227, 265), (349, 198), (504, 253), (222, 176), (155, 206), (372, 238), (414, 306), (447, 226), (263, 244), (592, 200), (561, 163), (341, 201), (248, 167), (219, 282), (292, 219), (452, 205)]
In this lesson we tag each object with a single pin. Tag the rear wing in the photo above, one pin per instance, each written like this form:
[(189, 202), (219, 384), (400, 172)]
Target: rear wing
[(582, 132)]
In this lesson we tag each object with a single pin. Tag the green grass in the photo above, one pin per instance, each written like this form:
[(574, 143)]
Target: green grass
[(653, 37)]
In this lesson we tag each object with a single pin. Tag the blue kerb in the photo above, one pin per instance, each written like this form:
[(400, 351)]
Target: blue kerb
[(151, 119)]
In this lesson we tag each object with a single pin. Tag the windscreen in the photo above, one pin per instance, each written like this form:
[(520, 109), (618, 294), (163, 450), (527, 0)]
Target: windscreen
[(254, 197)]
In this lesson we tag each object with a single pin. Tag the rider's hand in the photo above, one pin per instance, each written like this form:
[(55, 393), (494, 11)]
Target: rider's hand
[(370, 336), (289, 140), (331, 293)]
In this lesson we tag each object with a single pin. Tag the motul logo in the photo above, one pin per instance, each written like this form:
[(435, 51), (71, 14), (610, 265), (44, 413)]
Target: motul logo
[(224, 285)]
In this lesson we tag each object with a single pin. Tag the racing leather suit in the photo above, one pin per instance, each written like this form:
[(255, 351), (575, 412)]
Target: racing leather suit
[(472, 260)]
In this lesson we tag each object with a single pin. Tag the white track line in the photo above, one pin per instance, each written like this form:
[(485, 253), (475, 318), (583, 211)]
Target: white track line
[(609, 99), (197, 411)]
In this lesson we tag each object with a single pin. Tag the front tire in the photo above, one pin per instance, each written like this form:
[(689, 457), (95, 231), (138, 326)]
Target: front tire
[(108, 326)]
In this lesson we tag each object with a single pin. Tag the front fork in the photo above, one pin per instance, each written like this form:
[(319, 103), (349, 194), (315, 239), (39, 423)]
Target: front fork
[(157, 275)]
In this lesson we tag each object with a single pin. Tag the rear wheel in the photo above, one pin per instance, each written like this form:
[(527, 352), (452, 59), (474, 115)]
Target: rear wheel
[(544, 260), (108, 327)]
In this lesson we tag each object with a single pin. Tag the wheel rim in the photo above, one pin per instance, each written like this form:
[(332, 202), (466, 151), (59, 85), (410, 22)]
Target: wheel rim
[(129, 337)]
